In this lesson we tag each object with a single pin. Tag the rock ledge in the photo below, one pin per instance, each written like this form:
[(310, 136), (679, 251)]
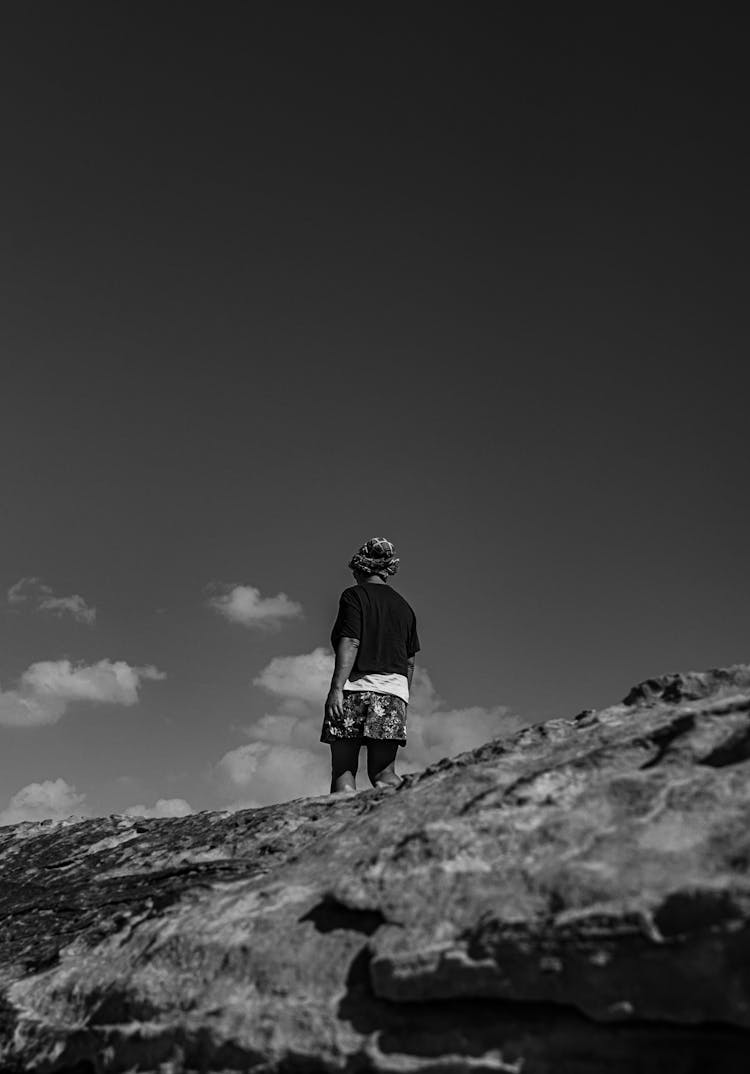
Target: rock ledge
[(574, 898)]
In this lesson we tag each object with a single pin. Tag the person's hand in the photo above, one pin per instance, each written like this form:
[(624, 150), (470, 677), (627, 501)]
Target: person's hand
[(335, 703)]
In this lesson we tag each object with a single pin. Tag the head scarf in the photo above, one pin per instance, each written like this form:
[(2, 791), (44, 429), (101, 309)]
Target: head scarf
[(375, 557)]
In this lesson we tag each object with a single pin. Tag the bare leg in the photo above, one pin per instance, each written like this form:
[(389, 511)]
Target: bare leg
[(344, 764), (381, 762)]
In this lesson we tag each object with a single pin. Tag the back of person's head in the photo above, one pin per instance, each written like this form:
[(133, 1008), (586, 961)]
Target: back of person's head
[(376, 556)]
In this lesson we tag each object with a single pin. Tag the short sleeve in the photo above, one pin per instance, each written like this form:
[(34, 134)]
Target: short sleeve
[(413, 646), (349, 619)]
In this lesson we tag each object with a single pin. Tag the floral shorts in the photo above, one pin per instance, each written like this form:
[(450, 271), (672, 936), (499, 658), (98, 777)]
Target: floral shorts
[(367, 715)]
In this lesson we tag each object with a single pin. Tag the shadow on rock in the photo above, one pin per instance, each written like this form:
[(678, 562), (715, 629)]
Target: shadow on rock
[(329, 915), (533, 1038)]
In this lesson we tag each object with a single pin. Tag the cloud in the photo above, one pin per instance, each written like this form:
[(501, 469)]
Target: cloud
[(244, 604), (20, 591), (295, 679), (164, 807), (47, 688), (49, 800), (285, 758), (115, 682), (40, 597), (263, 773), (435, 731), (74, 605)]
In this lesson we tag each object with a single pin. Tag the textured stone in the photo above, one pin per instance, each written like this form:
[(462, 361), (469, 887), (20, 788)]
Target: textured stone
[(571, 899)]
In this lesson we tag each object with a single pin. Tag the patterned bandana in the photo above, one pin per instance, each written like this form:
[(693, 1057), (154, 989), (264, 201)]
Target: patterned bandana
[(375, 557)]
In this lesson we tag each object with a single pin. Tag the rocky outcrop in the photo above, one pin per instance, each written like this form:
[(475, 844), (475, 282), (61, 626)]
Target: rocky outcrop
[(572, 899)]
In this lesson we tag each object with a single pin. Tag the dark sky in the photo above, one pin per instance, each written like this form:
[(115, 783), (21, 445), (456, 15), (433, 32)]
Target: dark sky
[(280, 277)]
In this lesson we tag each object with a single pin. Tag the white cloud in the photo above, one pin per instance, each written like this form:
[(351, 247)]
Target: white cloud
[(19, 711), (286, 729), (49, 800), (285, 758), (115, 682), (74, 605), (40, 597), (435, 731), (304, 678), (19, 591), (262, 773), (244, 604), (47, 688), (164, 807)]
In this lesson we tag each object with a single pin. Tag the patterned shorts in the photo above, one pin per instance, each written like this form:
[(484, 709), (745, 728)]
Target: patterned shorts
[(367, 715)]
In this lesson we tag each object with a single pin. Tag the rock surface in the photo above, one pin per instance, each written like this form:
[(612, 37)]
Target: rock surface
[(573, 899)]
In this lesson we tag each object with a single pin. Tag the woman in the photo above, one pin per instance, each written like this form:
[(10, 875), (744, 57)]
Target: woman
[(375, 642)]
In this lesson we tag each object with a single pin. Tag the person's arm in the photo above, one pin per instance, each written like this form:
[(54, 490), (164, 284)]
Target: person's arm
[(346, 654), (412, 649)]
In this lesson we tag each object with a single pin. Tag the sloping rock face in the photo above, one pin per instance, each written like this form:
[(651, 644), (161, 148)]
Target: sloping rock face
[(572, 899)]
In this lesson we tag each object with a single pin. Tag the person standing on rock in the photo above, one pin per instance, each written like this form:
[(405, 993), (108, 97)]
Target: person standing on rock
[(375, 642)]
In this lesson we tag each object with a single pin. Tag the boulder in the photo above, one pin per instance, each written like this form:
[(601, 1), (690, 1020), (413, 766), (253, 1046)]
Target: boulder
[(574, 898)]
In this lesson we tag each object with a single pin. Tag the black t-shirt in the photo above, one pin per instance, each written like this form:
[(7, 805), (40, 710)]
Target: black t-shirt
[(384, 624)]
